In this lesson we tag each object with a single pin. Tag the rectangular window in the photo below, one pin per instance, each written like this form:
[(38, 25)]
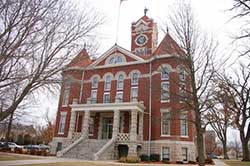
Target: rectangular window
[(119, 96), (93, 96), (184, 154), (120, 84), (182, 93), (165, 123), (59, 146), (164, 92), (66, 94), (91, 126), (165, 154), (184, 125), (134, 93), (106, 98), (95, 82), (62, 123)]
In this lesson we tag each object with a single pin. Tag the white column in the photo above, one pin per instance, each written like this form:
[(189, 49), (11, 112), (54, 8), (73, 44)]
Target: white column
[(116, 123), (141, 115), (85, 124), (133, 128), (72, 124)]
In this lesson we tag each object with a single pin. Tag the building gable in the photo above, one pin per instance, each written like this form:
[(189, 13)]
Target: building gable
[(115, 51)]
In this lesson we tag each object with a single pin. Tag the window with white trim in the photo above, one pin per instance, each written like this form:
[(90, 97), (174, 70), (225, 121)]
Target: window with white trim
[(165, 154), (165, 73), (119, 96), (184, 124), (120, 82), (93, 96), (165, 92), (134, 92), (181, 71), (135, 78), (107, 84), (116, 59), (184, 152), (62, 123), (182, 92), (106, 97), (95, 82), (66, 92), (165, 123), (91, 125)]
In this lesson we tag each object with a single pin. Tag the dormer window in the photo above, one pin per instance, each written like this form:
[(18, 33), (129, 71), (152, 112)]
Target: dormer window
[(115, 59)]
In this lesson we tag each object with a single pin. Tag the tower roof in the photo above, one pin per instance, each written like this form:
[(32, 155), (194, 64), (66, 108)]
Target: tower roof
[(168, 46), (81, 60)]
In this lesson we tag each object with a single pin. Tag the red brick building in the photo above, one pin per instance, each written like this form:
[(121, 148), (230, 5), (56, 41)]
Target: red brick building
[(127, 102)]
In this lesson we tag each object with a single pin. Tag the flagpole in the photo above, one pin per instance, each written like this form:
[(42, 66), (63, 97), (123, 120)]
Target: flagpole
[(118, 22)]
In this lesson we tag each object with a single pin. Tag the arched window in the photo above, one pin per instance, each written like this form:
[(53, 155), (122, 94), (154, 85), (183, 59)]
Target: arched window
[(120, 81), (165, 73), (107, 85), (135, 78), (181, 71), (115, 59), (95, 82)]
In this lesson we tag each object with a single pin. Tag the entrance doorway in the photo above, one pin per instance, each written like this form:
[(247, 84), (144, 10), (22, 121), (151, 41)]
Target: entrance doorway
[(122, 151), (107, 127)]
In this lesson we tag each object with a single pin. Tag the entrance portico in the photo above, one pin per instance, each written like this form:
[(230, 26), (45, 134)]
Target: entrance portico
[(112, 122)]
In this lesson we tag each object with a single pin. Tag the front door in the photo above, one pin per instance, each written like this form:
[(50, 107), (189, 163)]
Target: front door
[(107, 127)]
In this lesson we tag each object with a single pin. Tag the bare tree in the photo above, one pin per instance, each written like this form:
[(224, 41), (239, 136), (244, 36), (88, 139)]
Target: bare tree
[(235, 144), (37, 39), (200, 51), (241, 12), (239, 90), (219, 115)]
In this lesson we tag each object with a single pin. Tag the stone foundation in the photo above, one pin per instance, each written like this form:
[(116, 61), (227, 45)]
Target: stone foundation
[(174, 146)]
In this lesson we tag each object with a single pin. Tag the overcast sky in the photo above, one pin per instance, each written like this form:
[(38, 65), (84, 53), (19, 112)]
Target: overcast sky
[(211, 14)]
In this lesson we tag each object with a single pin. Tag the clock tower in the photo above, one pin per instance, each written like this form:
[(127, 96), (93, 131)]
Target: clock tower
[(144, 36)]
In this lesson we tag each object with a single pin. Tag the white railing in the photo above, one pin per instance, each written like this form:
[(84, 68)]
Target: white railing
[(76, 136), (123, 137)]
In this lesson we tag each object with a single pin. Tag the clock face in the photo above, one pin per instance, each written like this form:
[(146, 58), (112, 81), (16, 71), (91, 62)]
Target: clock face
[(141, 40)]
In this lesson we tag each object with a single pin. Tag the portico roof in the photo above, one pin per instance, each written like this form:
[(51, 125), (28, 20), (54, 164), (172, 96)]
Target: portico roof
[(139, 106)]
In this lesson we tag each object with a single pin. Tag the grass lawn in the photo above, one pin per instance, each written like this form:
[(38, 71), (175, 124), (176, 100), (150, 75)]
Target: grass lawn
[(236, 163), (7, 157), (71, 164)]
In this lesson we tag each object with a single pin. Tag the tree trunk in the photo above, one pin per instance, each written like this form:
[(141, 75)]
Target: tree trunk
[(224, 144), (7, 136), (200, 140), (245, 150)]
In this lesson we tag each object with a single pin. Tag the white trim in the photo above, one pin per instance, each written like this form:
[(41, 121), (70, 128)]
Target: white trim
[(139, 106), (93, 67), (167, 100), (169, 149), (105, 93), (115, 55), (113, 49), (169, 126), (135, 24)]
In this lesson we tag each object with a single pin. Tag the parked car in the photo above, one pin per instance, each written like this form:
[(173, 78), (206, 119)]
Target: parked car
[(13, 146), (31, 147), (44, 147), (213, 156)]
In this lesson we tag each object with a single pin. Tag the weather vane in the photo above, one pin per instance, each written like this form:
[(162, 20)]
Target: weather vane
[(145, 11)]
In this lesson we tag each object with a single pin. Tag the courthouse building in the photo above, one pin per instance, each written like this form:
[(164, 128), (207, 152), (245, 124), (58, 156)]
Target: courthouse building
[(127, 102)]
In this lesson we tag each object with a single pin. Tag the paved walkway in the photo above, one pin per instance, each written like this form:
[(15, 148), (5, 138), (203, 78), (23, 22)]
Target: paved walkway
[(44, 160), (219, 162)]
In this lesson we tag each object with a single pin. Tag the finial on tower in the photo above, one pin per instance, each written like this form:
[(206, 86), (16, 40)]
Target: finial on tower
[(145, 11)]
